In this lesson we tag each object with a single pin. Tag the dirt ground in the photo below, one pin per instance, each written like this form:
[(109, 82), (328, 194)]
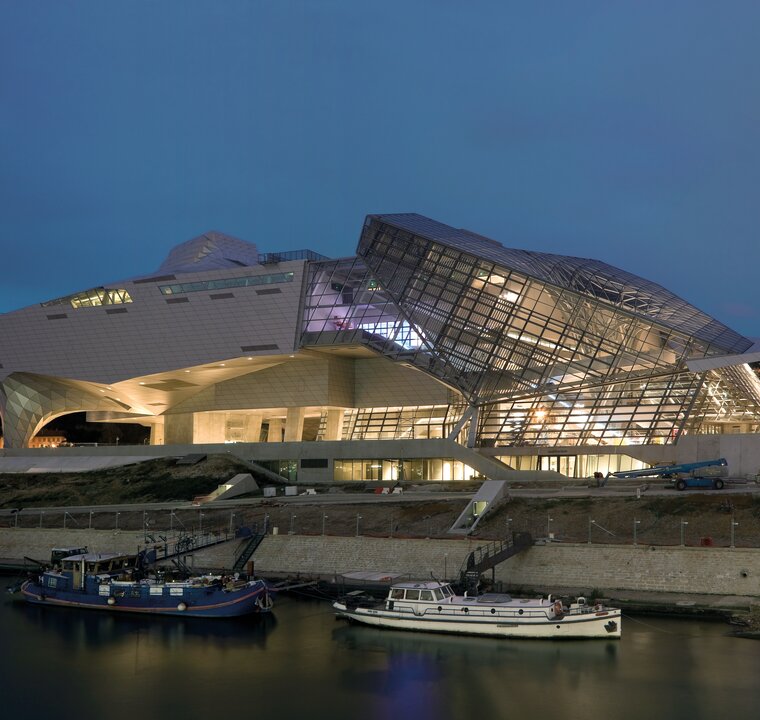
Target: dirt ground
[(703, 519)]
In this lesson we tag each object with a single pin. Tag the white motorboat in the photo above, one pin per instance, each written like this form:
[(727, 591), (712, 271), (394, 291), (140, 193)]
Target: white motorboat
[(432, 606)]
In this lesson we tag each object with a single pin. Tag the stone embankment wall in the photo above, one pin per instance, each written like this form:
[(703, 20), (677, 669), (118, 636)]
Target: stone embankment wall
[(719, 571), (552, 567), (17, 543)]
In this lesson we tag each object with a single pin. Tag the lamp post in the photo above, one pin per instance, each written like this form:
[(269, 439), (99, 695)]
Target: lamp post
[(145, 526), (734, 524), (636, 523), (42, 512), (89, 527), (509, 526), (684, 523), (292, 524), (358, 517), (590, 523), (266, 522), (549, 520), (116, 527), (200, 522), (232, 516), (445, 559), (324, 518)]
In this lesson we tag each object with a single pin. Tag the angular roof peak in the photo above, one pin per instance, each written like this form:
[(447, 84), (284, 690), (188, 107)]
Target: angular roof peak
[(211, 251)]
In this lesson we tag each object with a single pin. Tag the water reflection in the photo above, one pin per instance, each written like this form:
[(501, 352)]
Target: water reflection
[(79, 629), (301, 662)]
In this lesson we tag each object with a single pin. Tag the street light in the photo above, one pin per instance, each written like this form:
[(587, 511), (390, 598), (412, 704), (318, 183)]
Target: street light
[(292, 524), (445, 559), (324, 517), (42, 512), (549, 520), (117, 520), (200, 522), (358, 517), (232, 515), (89, 527), (509, 526), (734, 525), (590, 523), (636, 523), (684, 523)]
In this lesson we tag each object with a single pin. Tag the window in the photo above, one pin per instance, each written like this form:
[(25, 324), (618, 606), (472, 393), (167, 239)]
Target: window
[(412, 594), (93, 298), (226, 283), (426, 595), (314, 463)]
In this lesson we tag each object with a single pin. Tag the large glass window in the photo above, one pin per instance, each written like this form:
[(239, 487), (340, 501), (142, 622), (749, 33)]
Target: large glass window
[(271, 279)]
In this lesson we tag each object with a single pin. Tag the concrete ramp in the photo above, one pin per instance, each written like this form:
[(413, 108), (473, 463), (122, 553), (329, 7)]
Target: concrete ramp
[(241, 484), (491, 494)]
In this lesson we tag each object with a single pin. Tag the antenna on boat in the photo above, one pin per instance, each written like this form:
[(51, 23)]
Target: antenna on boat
[(432, 575)]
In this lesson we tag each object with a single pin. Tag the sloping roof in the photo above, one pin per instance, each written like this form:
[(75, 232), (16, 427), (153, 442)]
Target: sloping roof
[(593, 278)]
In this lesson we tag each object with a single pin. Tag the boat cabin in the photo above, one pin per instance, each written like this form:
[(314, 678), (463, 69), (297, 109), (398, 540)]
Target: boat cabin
[(433, 592), (76, 568), (59, 553)]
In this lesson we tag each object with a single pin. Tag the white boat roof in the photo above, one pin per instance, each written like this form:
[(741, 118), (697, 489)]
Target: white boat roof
[(421, 585), (96, 557)]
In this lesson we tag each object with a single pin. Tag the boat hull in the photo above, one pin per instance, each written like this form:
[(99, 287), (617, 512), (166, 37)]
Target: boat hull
[(204, 601), (602, 625)]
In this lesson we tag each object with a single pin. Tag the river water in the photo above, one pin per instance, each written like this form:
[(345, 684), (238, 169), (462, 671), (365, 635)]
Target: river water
[(301, 663)]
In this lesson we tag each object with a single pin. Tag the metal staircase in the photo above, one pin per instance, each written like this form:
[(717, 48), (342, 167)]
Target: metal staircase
[(487, 557), (247, 551)]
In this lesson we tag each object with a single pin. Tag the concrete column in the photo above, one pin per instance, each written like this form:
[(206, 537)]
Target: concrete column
[(294, 424), (209, 427), (252, 428), (178, 429), (276, 426), (157, 432), (334, 424)]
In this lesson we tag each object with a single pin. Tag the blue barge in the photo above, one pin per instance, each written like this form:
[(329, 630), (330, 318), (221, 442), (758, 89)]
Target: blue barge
[(108, 581)]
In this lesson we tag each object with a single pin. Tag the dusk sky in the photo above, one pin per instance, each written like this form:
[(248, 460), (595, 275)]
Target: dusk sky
[(623, 131)]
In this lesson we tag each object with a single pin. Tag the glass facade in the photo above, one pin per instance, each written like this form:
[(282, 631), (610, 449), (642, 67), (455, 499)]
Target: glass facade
[(537, 349), (408, 470)]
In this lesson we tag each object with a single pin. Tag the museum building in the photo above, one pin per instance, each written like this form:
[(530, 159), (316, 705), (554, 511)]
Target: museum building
[(433, 354)]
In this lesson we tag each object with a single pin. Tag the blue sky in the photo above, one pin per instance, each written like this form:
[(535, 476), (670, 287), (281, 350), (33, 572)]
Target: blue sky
[(623, 131)]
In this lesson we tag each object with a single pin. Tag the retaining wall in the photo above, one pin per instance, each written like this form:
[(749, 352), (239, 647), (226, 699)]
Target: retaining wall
[(556, 566)]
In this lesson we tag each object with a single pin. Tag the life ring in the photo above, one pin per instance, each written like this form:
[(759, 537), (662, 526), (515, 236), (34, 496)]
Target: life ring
[(598, 607), (111, 600), (182, 607), (558, 607)]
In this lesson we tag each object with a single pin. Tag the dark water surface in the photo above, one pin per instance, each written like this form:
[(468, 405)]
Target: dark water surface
[(301, 663)]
